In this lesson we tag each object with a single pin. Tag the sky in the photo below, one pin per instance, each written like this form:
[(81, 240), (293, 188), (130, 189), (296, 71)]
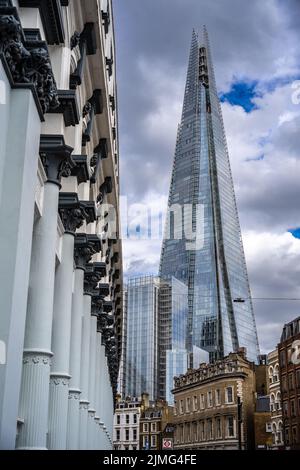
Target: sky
[(256, 54)]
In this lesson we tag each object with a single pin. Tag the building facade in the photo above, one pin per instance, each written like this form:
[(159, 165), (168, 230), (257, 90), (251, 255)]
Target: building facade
[(275, 399), (289, 371), (154, 350), (202, 244), (155, 425), (60, 252), (216, 403), (127, 422), (142, 336)]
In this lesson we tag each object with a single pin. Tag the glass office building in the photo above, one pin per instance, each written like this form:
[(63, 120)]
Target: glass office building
[(202, 197), (142, 337), (173, 356)]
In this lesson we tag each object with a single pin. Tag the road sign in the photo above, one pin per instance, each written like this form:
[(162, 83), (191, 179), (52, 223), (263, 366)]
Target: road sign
[(167, 444)]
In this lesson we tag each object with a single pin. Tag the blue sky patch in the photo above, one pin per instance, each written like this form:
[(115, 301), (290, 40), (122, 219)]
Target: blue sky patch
[(295, 232), (241, 94)]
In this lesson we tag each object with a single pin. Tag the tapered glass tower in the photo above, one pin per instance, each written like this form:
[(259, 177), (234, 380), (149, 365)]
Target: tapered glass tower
[(202, 196)]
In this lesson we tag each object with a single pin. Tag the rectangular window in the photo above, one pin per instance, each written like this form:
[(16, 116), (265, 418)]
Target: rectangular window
[(153, 427), (209, 399), (126, 434), (202, 401), (127, 419), (145, 427), (195, 403), (284, 384), (202, 431), (188, 405), (218, 428), (134, 419), (230, 426), (209, 429), (293, 408), (134, 433), (218, 397), (181, 406), (153, 441), (229, 395), (118, 419), (195, 432), (285, 408), (298, 378), (118, 434), (291, 382), (282, 358)]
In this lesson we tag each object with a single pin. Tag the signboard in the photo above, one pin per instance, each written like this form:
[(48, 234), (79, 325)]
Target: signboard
[(167, 444)]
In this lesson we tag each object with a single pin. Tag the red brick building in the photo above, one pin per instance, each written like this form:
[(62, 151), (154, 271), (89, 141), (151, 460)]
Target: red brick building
[(289, 366)]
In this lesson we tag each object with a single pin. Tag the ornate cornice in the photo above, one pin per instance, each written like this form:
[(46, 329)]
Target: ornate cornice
[(81, 170), (51, 16), (94, 272), (68, 106), (85, 247), (74, 212), (105, 188), (100, 153), (92, 107), (86, 41), (56, 157), (26, 61)]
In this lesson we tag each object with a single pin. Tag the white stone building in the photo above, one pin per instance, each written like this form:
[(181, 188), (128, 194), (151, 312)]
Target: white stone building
[(60, 252), (127, 422), (275, 399)]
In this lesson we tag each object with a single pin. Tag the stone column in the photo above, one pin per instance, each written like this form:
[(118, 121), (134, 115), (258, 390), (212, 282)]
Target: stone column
[(97, 442), (73, 213), (84, 377), (19, 153), (82, 254), (34, 399), (92, 383)]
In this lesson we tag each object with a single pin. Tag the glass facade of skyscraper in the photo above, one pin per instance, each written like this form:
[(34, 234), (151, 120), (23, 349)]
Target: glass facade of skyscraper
[(215, 270), (142, 337), (173, 310)]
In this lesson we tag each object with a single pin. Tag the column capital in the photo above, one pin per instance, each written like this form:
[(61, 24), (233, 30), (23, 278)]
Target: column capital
[(85, 247), (74, 212), (26, 61), (81, 170), (56, 157)]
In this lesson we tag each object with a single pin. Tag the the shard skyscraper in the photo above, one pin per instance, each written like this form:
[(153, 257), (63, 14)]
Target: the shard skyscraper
[(220, 318)]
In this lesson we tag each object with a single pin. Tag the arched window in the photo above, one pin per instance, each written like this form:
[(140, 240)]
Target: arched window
[(276, 373), (272, 402), (271, 371), (278, 401)]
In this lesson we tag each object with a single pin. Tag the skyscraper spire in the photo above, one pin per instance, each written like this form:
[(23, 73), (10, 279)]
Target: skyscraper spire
[(216, 272)]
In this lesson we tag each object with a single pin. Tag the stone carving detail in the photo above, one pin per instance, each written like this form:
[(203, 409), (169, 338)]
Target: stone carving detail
[(60, 381), (75, 40), (87, 109), (27, 64), (36, 359), (72, 219), (65, 169), (74, 395)]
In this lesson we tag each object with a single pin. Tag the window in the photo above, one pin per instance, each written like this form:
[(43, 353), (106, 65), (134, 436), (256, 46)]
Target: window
[(118, 419), (294, 435), (202, 427), (126, 434), (298, 378), (153, 441), (195, 404), (287, 436), (284, 384), (202, 401), (134, 434), (195, 432), (145, 442), (145, 427), (209, 429), (118, 435), (230, 426), (181, 407), (293, 408), (282, 359), (291, 382), (285, 408), (218, 397), (209, 399), (188, 405), (276, 373), (229, 395), (153, 427), (127, 419), (218, 428), (134, 419)]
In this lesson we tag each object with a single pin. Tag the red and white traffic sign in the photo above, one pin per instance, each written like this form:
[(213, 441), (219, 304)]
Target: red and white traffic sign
[(167, 444)]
